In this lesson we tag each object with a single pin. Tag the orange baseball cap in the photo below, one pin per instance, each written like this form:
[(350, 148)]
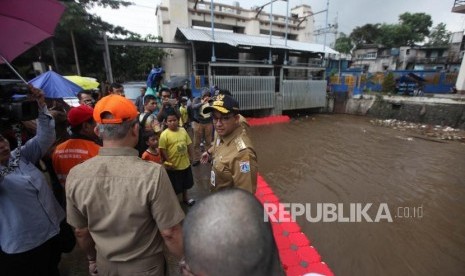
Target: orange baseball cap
[(118, 106)]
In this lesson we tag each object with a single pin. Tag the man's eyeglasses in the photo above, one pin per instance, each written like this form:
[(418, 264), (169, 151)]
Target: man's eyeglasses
[(222, 119)]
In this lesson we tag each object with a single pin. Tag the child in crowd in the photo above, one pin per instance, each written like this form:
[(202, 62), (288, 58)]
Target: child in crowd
[(151, 153), (176, 150), (184, 121)]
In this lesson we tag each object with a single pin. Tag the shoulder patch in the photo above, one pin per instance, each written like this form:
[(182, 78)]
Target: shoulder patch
[(244, 166), (240, 144)]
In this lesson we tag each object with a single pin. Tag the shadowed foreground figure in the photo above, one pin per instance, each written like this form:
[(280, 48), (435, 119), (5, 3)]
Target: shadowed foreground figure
[(225, 234)]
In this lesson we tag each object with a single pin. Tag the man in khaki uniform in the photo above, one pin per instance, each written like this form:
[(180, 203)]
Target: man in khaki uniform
[(234, 158), (123, 208)]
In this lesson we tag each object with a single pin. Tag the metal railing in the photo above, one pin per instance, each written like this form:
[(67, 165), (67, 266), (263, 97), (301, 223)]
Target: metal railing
[(252, 92), (431, 60)]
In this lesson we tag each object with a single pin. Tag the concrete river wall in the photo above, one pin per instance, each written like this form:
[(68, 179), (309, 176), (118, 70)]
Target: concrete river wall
[(443, 111)]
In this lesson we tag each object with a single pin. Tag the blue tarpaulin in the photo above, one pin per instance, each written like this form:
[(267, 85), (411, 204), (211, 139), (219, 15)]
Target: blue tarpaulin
[(55, 86)]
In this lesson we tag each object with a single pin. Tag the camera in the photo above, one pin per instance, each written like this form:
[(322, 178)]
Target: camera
[(14, 104), (172, 102)]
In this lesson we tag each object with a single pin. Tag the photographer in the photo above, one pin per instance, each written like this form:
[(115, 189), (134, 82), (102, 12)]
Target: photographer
[(30, 216), (204, 126), (168, 105)]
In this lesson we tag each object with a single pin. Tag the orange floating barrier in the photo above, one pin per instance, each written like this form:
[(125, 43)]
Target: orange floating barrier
[(299, 239), (268, 120), (309, 254), (290, 227), (289, 258), (297, 255)]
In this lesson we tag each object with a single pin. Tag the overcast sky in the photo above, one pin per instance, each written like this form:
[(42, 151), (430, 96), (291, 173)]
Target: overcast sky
[(140, 18)]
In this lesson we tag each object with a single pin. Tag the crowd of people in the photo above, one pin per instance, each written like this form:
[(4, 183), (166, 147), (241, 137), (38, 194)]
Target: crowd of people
[(115, 186)]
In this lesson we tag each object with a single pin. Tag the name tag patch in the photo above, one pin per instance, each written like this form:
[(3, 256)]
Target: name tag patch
[(212, 178), (245, 166)]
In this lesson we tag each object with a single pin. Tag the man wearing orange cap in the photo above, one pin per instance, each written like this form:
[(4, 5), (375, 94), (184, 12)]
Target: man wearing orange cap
[(122, 207), (81, 146)]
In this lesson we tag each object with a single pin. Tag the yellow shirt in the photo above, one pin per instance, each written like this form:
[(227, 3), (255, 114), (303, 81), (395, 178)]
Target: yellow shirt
[(175, 143), (184, 116)]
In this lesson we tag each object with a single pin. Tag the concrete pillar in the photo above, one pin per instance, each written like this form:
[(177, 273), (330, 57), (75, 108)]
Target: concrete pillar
[(460, 84), (278, 106), (176, 16)]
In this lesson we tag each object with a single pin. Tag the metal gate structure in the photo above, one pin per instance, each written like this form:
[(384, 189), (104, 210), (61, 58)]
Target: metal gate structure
[(301, 93), (251, 91), (266, 91)]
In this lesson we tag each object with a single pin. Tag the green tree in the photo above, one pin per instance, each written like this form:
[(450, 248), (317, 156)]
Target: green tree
[(80, 29), (417, 25), (114, 4), (439, 36), (134, 63), (389, 84), (412, 28), (366, 34), (393, 35), (129, 63), (343, 44)]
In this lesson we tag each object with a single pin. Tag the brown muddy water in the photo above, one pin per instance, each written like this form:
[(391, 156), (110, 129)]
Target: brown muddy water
[(345, 159)]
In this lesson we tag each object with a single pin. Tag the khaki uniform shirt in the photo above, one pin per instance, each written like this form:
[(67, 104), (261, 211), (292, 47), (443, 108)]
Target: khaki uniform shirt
[(124, 201), (234, 162)]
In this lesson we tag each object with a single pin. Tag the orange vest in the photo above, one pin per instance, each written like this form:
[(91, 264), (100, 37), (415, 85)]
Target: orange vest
[(70, 153)]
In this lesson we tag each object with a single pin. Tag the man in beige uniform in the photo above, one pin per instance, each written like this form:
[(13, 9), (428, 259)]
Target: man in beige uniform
[(234, 158), (123, 208)]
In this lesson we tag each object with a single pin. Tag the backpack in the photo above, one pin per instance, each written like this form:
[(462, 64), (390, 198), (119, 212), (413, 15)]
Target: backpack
[(141, 145)]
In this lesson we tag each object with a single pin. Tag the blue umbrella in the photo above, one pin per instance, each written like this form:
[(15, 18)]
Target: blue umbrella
[(55, 86)]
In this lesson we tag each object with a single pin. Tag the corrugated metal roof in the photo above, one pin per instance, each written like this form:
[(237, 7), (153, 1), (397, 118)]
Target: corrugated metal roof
[(236, 40)]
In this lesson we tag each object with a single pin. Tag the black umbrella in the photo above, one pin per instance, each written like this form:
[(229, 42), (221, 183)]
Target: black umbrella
[(178, 81)]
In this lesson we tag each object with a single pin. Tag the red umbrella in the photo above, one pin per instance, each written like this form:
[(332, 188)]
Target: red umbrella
[(25, 23)]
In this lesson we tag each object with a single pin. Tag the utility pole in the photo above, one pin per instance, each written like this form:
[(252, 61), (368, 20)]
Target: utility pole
[(270, 59), (54, 56), (259, 10), (212, 14), (326, 24), (287, 29), (75, 54), (107, 58)]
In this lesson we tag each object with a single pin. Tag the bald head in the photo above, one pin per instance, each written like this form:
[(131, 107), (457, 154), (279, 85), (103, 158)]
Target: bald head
[(225, 234)]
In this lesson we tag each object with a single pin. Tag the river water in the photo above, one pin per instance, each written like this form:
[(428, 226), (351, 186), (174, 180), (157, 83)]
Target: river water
[(345, 159)]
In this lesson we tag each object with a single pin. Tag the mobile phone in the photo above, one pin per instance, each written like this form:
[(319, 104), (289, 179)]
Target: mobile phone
[(173, 101)]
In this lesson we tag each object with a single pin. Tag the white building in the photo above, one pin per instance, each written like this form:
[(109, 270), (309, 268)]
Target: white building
[(174, 14)]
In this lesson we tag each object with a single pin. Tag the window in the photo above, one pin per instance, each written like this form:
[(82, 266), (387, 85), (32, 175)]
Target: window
[(369, 55)]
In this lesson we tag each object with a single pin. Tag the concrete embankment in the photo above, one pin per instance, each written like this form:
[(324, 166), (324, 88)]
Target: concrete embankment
[(444, 110)]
